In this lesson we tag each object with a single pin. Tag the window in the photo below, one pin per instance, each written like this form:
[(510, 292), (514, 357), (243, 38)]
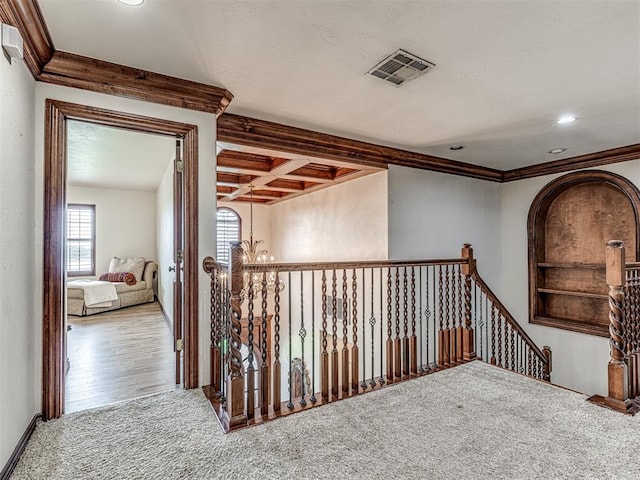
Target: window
[(81, 240), (228, 230)]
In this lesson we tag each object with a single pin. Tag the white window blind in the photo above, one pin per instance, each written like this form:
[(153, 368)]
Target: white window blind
[(227, 230), (81, 231)]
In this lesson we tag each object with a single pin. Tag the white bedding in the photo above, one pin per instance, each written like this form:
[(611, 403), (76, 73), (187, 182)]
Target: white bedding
[(96, 293)]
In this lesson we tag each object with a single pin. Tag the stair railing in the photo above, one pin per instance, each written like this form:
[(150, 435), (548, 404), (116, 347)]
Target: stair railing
[(287, 337)]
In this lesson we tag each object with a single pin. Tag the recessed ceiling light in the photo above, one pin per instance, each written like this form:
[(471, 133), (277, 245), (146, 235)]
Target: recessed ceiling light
[(566, 119), (456, 147), (132, 3), (555, 151)]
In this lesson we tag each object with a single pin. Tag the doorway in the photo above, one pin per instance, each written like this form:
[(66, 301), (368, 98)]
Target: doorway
[(57, 114), (120, 340)]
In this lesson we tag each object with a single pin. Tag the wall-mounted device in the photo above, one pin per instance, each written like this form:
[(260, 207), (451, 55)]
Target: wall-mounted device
[(11, 41)]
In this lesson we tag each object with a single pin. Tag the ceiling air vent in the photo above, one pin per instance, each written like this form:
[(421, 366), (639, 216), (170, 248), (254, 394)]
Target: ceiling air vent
[(400, 67)]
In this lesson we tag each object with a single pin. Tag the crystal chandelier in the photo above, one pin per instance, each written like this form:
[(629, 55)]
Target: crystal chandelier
[(253, 254)]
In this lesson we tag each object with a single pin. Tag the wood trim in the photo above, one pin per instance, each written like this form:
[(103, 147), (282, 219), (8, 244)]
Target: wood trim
[(598, 159), (27, 17), (56, 115), (20, 447), (252, 132), (535, 225), (77, 71)]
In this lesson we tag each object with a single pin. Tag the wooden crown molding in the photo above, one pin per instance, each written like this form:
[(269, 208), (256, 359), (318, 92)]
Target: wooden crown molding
[(27, 17), (77, 71), (597, 159), (252, 132)]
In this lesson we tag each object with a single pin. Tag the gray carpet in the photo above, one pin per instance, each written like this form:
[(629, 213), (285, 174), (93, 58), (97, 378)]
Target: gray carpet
[(471, 422)]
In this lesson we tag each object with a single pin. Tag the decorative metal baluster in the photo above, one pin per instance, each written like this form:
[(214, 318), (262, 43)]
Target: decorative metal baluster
[(481, 324), (302, 333), (290, 404), (421, 362), (264, 348), (389, 341), (427, 319), (372, 324), (413, 341), (345, 334), (214, 347), (397, 346), (363, 384), (334, 333), (325, 354), (405, 339), (313, 337), (436, 312), (505, 362), (448, 302), (277, 397), (513, 365), (443, 344), (493, 335), (355, 368), (250, 373), (381, 378), (499, 339)]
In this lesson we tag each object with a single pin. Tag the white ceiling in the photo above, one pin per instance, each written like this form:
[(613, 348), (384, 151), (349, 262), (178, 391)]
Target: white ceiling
[(506, 69), (99, 156)]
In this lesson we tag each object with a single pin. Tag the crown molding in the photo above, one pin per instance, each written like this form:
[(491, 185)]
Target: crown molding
[(77, 71), (252, 132), (27, 17), (597, 159)]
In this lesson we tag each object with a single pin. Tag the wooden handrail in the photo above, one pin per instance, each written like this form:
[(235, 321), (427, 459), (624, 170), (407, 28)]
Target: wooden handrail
[(310, 266), (494, 299)]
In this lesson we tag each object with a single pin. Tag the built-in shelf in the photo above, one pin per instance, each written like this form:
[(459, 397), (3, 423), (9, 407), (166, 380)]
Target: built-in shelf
[(594, 266), (572, 293)]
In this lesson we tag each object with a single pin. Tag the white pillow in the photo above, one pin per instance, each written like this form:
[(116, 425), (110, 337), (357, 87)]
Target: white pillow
[(133, 265)]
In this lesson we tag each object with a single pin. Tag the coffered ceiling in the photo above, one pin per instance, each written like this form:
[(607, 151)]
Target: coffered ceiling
[(505, 71)]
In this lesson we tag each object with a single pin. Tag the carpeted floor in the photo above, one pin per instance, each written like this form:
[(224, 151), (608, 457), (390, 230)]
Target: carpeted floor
[(471, 422)]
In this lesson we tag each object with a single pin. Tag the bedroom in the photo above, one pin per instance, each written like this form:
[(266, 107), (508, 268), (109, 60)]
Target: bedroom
[(119, 204)]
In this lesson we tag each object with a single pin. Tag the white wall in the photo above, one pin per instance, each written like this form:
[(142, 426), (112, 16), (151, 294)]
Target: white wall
[(343, 222), (206, 124), (579, 360), (125, 222), (20, 356), (431, 215), (164, 241)]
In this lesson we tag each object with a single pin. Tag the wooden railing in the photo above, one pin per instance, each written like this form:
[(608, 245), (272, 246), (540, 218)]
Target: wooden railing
[(287, 337), (623, 280)]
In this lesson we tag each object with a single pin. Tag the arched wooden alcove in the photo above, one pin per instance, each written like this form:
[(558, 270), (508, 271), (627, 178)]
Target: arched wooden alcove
[(569, 224)]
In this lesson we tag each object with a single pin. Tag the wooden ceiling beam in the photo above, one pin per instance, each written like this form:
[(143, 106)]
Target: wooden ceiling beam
[(229, 160), (77, 71), (263, 134)]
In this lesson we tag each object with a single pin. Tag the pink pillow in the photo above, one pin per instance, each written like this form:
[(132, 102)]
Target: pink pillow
[(126, 277)]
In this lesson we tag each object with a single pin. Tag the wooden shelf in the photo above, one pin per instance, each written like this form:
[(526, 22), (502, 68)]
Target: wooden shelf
[(574, 294), (594, 266)]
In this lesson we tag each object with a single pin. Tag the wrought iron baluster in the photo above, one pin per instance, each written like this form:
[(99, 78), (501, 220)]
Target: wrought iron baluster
[(442, 345), (381, 378), (405, 338), (389, 341), (264, 348), (397, 346), (493, 335), (290, 404), (277, 397), (372, 323), (250, 372), (363, 384), (302, 333), (325, 354), (345, 334), (334, 332), (413, 342), (421, 293), (355, 368)]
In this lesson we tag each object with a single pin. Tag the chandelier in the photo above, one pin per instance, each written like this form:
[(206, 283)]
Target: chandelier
[(253, 254)]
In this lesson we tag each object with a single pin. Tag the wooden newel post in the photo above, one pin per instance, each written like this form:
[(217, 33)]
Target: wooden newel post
[(618, 386), (546, 373), (468, 347), (235, 382)]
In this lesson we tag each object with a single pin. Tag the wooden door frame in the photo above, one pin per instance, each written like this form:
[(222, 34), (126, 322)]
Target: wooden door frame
[(55, 172)]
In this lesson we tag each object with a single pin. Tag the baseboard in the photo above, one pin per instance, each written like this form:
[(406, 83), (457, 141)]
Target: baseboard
[(166, 317), (18, 451)]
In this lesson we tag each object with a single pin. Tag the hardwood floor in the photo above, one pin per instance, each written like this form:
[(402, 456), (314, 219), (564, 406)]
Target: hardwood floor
[(117, 356)]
